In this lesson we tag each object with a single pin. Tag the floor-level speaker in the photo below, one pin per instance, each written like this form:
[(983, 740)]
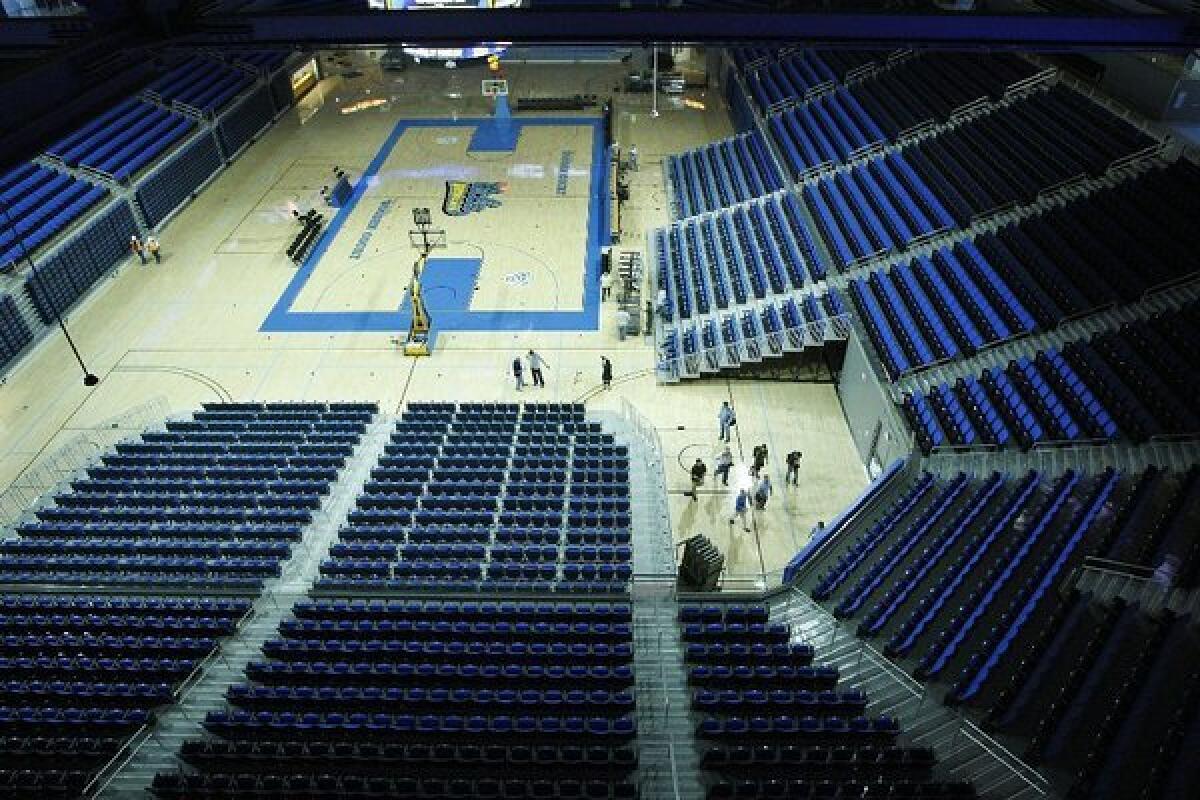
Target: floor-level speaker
[(701, 566)]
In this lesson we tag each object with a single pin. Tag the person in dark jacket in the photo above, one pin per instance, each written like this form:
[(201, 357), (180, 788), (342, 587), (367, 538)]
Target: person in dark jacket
[(518, 373)]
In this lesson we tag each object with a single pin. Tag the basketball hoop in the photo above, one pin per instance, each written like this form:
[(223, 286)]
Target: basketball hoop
[(494, 87)]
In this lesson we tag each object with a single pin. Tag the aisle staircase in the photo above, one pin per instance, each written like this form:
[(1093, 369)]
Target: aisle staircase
[(669, 761)]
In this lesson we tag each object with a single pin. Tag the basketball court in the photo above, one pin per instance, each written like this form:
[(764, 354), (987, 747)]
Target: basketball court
[(227, 316), (520, 264)]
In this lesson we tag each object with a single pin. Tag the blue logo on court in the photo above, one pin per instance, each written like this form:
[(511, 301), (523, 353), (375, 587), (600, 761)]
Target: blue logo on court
[(463, 197)]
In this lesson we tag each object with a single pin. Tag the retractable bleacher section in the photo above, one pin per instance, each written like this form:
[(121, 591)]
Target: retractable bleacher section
[(81, 678), (240, 124), (427, 699), (707, 345), (95, 635), (966, 581), (721, 174), (490, 496), (448, 678), (211, 502), (71, 270), (178, 179), (736, 256), (14, 332), (38, 205), (774, 722)]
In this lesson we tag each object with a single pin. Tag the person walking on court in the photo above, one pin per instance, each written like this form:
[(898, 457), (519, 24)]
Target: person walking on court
[(606, 372), (741, 506), (135, 245), (724, 463), (518, 373), (760, 459), (726, 419), (699, 470), (633, 158), (605, 284), (793, 468), (762, 491), (536, 362), (152, 247)]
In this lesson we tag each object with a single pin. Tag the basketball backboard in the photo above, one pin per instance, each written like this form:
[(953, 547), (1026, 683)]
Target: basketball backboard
[(495, 87)]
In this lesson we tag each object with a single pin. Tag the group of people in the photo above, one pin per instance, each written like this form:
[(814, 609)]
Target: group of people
[(140, 248), (536, 364), (758, 492)]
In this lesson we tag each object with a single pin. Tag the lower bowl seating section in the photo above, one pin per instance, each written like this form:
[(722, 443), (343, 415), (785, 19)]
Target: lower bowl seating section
[(955, 557), (1077, 258), (200, 84), (1138, 382), (125, 140), (81, 677), (427, 699), (878, 207), (1109, 701), (967, 581), (820, 125), (938, 308), (1038, 142), (776, 79), (722, 174), (211, 502), (38, 204), (774, 723), (490, 496)]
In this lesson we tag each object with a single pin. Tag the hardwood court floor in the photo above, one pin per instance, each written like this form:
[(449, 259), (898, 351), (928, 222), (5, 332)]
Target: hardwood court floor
[(165, 338)]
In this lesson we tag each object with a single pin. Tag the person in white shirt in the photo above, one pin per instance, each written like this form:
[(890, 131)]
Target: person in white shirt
[(152, 248), (724, 463), (536, 362), (606, 282)]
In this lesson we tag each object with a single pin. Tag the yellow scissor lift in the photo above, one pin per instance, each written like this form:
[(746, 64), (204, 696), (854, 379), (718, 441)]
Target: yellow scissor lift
[(424, 238)]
